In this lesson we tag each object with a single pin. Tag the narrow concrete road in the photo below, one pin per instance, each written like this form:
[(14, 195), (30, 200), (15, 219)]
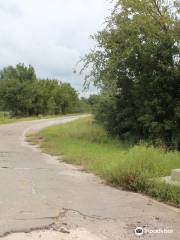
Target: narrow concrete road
[(51, 200)]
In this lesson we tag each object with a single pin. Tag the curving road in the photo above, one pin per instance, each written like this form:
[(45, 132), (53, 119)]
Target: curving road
[(38, 192)]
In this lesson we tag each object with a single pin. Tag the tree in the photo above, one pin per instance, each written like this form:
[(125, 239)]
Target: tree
[(23, 94), (16, 89), (69, 98), (20, 72), (136, 62), (51, 106)]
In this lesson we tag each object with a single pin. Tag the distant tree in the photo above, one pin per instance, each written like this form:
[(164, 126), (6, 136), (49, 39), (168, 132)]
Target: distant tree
[(51, 106), (84, 105), (20, 72), (23, 94), (69, 98), (16, 89)]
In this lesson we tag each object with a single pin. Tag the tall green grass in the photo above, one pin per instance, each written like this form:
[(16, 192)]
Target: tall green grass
[(134, 168), (5, 117)]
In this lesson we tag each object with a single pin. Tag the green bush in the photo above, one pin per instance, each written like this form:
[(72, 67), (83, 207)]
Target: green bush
[(136, 65)]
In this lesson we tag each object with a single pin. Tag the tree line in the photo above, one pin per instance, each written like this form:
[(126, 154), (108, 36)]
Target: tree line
[(23, 94), (136, 64)]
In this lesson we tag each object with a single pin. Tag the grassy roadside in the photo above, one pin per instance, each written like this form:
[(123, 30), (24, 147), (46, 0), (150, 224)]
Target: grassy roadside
[(134, 168), (5, 119)]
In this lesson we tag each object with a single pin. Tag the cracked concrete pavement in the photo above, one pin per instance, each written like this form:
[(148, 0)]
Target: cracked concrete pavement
[(44, 198)]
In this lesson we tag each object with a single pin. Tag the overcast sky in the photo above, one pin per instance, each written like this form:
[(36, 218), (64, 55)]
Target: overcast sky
[(51, 35)]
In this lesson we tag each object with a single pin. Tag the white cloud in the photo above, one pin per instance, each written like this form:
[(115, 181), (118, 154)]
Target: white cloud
[(49, 34)]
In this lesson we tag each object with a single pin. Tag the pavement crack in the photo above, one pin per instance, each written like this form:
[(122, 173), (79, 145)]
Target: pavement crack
[(50, 226), (27, 219), (66, 210), (47, 227)]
